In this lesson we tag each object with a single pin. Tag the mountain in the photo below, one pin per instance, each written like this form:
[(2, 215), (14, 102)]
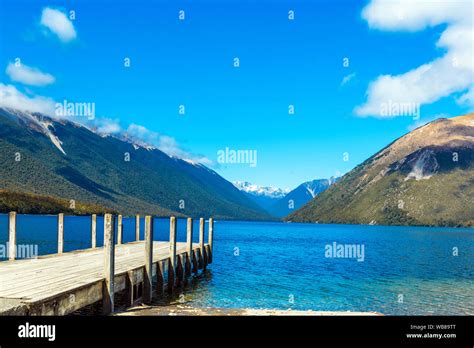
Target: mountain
[(300, 196), (426, 177), (279, 202), (265, 197), (64, 160)]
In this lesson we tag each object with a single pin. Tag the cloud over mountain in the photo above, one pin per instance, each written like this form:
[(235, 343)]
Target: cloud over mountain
[(11, 97)]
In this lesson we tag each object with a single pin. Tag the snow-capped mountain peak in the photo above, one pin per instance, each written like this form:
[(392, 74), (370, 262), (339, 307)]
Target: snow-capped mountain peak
[(256, 190)]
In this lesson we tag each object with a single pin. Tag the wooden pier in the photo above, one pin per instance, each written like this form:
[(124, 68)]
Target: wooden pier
[(65, 282)]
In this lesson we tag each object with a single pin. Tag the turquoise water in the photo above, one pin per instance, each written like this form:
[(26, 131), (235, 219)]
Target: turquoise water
[(405, 270)]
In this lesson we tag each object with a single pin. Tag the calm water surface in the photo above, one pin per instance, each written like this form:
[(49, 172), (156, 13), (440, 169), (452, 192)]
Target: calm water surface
[(406, 270)]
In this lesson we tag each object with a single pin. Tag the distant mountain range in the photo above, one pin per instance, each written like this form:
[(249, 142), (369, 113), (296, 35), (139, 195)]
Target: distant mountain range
[(279, 202), (265, 197), (50, 162), (300, 196), (426, 177)]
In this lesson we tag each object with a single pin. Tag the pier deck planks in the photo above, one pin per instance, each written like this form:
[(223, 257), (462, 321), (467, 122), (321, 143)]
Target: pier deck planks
[(61, 283)]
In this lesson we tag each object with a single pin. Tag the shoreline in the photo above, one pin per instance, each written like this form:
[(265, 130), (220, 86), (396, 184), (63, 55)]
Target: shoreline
[(186, 310)]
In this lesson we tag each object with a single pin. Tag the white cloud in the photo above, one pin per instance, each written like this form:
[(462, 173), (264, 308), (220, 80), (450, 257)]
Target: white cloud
[(57, 22), (10, 97), (451, 73), (106, 126), (467, 98), (29, 75), (145, 137), (347, 78)]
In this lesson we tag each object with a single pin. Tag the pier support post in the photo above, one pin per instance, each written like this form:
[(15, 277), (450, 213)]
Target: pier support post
[(159, 278), (12, 236), (94, 231), (210, 239), (109, 264), (119, 229), (137, 228), (179, 270), (60, 233), (148, 274), (129, 289), (172, 258), (195, 261), (202, 250), (189, 247)]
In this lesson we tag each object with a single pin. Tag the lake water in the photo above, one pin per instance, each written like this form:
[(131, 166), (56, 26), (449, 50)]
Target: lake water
[(405, 270)]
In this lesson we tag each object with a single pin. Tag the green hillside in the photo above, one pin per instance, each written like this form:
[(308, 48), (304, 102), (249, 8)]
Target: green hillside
[(94, 171), (26, 203)]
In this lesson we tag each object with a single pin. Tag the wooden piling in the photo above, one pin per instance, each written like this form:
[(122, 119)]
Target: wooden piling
[(12, 236), (137, 227), (195, 261), (119, 230), (60, 233), (179, 270), (159, 278), (202, 250), (109, 264), (94, 231), (130, 289), (189, 247), (172, 258), (148, 274), (210, 239)]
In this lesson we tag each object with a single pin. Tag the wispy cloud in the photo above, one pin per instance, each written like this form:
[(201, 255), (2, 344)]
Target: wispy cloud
[(28, 75), (10, 97), (467, 99), (106, 126), (143, 136), (58, 23), (433, 80), (347, 78)]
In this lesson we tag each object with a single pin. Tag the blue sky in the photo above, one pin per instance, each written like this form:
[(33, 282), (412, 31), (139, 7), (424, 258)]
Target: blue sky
[(282, 62)]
